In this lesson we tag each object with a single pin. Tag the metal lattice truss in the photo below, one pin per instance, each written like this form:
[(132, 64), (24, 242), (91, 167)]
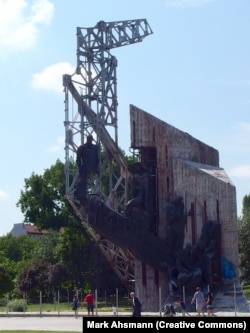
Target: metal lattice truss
[(91, 108)]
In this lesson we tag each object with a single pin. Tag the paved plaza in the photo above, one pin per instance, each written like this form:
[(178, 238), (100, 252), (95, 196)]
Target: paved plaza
[(67, 322), (41, 323)]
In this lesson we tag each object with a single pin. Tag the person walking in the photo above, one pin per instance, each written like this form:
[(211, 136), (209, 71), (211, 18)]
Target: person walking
[(90, 302), (183, 307), (199, 301), (169, 310), (209, 305), (75, 306), (114, 310), (136, 305)]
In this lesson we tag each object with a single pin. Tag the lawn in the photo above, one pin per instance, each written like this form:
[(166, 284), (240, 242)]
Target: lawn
[(62, 307)]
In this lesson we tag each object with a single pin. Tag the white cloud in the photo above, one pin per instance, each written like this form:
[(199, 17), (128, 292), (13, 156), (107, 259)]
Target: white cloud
[(186, 3), (3, 195), (241, 137), (58, 146), (51, 77), (42, 12), (244, 126), (19, 22), (241, 171), (238, 139)]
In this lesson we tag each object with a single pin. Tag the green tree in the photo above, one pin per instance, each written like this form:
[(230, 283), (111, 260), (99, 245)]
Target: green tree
[(34, 277), (43, 202), (43, 270), (18, 251), (57, 276), (74, 251), (46, 247), (17, 248), (103, 276), (7, 273), (244, 241), (88, 268)]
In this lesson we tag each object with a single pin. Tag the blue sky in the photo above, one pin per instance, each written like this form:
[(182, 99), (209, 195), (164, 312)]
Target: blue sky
[(193, 72)]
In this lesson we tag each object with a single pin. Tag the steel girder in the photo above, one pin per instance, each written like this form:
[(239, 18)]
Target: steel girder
[(91, 108)]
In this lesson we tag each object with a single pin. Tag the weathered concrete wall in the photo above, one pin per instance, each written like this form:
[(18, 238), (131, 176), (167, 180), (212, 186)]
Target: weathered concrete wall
[(189, 168)]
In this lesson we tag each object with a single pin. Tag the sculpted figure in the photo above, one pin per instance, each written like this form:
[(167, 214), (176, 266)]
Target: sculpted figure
[(88, 163)]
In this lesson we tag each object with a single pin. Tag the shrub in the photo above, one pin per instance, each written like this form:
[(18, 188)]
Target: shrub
[(2, 301), (246, 289), (17, 305)]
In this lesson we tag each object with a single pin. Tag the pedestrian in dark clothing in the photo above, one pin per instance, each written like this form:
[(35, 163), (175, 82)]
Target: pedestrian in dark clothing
[(183, 307), (136, 305), (169, 310), (209, 305), (75, 306)]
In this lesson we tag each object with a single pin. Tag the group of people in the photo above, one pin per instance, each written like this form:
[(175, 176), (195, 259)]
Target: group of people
[(198, 299), (201, 303), (89, 301)]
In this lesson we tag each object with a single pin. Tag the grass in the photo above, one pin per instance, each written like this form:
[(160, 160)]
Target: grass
[(123, 306)]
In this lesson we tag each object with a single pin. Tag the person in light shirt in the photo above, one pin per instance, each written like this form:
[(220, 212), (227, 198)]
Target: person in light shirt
[(199, 301)]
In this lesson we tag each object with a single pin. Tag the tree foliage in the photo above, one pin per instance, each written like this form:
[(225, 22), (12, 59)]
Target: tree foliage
[(74, 249), (17, 249), (15, 253), (66, 256), (43, 202), (244, 241), (46, 247), (7, 273)]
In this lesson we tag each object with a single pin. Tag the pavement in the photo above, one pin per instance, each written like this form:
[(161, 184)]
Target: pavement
[(65, 321)]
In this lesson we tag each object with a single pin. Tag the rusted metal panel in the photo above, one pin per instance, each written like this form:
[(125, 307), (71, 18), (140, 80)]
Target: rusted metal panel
[(189, 168), (148, 131)]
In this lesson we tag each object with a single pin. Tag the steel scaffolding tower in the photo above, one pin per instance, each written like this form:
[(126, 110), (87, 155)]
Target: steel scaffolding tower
[(91, 108)]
